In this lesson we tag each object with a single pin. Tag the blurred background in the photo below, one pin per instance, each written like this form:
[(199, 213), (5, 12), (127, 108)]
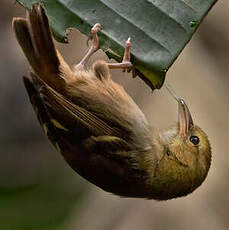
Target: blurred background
[(38, 190)]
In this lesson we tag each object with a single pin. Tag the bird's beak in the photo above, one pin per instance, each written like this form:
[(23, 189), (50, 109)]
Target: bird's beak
[(184, 118)]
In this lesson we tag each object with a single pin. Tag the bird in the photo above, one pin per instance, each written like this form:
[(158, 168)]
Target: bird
[(98, 128)]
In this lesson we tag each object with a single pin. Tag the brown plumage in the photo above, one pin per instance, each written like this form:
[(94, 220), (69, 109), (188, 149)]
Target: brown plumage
[(99, 129)]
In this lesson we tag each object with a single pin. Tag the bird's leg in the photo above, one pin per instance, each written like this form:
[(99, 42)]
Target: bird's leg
[(125, 64), (93, 47)]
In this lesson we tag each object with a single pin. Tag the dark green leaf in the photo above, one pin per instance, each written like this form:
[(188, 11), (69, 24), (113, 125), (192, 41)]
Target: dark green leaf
[(159, 29)]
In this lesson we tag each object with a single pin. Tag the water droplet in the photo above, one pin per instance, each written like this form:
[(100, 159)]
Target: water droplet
[(193, 23)]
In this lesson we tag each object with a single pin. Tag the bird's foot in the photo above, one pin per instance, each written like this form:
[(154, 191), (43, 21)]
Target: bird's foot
[(93, 47), (95, 39), (126, 64)]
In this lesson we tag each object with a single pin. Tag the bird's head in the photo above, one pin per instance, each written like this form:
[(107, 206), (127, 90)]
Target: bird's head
[(185, 158), (187, 143)]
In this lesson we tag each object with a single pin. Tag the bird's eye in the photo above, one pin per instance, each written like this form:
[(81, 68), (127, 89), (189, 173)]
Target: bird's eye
[(195, 140)]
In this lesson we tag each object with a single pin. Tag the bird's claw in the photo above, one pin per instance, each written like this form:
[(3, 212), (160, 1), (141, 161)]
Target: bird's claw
[(95, 38), (126, 64), (126, 57), (92, 48)]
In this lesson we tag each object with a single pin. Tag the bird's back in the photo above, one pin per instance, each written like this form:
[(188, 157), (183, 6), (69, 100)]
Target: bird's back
[(90, 138)]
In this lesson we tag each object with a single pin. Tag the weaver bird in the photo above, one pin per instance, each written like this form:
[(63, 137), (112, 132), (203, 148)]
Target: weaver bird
[(98, 128)]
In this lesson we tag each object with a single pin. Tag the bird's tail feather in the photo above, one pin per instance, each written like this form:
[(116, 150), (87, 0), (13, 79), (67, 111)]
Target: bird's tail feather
[(35, 39)]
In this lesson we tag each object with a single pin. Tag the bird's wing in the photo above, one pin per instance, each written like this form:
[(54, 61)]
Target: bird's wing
[(63, 113), (68, 125)]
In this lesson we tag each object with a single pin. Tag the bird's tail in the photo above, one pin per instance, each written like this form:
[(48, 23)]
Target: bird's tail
[(34, 36)]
